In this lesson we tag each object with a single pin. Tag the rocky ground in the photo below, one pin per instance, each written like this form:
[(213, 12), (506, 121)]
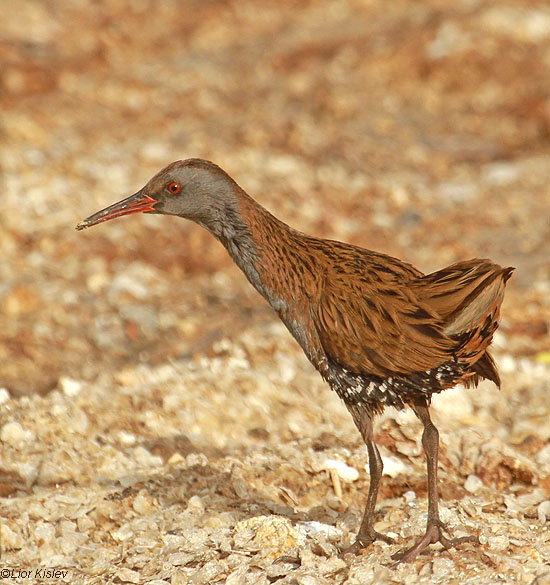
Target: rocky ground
[(157, 423)]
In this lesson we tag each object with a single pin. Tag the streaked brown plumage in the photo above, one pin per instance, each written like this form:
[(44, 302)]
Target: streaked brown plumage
[(379, 331)]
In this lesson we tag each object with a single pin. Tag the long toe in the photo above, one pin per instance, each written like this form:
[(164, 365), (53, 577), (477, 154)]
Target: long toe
[(434, 534), (364, 541)]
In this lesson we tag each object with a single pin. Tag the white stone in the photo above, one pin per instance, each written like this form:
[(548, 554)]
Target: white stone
[(10, 539), (143, 505), (409, 497), (311, 528), (143, 457), (344, 471), (456, 400), (393, 466), (449, 39), (543, 511), (507, 363), (125, 438), (14, 434), (543, 456), (518, 23), (442, 567), (44, 532), (499, 173), (69, 386), (28, 471), (127, 283), (123, 533), (473, 484), (500, 542), (128, 576)]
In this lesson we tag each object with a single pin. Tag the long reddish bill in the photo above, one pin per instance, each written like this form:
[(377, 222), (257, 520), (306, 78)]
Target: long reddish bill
[(136, 203)]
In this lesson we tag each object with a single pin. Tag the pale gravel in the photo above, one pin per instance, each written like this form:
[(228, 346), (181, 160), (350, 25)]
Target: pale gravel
[(155, 474)]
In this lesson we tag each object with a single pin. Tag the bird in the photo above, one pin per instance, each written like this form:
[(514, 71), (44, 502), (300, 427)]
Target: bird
[(379, 331)]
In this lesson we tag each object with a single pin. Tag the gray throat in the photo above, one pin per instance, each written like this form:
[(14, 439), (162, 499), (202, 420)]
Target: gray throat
[(237, 240)]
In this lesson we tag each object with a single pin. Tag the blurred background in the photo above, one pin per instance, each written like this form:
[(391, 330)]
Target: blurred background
[(148, 391), (420, 129)]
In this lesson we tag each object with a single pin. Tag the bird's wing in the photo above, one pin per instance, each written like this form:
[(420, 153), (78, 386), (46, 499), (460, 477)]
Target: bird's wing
[(467, 296), (463, 294), (372, 322)]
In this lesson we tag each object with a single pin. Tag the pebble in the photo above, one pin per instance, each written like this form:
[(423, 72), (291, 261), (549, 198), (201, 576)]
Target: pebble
[(332, 565), (128, 576), (44, 532), (274, 535), (507, 363), (543, 456), (457, 192), (207, 574), (501, 173), (345, 472), (308, 580), (278, 570), (238, 577), (449, 39), (457, 400), (126, 283), (543, 511), (71, 542), (473, 484), (519, 24), (143, 504), (97, 281), (10, 539), (181, 559), (442, 567), (175, 459), (123, 533), (60, 467), (313, 528), (125, 438), (195, 505), (14, 434), (393, 466), (138, 279), (146, 458), (409, 496), (69, 386), (145, 317), (498, 543)]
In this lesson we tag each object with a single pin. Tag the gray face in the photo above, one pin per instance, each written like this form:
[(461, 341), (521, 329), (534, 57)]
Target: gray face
[(195, 192), (195, 189)]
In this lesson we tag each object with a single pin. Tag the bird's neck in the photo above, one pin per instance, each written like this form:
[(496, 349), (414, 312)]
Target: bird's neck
[(285, 267), (269, 252), (281, 266), (245, 232)]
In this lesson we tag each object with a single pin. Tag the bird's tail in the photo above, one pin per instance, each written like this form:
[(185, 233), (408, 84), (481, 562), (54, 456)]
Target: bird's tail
[(467, 296)]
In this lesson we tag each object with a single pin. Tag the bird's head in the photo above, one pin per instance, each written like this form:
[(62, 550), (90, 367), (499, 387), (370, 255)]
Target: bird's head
[(195, 189)]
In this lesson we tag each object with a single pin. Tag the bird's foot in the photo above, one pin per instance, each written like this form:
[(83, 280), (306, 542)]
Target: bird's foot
[(434, 534), (364, 540)]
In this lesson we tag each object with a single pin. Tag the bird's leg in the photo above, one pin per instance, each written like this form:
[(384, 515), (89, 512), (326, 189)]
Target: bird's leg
[(435, 528), (367, 535)]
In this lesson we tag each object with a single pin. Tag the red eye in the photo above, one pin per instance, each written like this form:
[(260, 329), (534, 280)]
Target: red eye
[(174, 188)]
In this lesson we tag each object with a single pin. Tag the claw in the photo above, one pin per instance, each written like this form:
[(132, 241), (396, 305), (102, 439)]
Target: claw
[(434, 534), (363, 541)]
